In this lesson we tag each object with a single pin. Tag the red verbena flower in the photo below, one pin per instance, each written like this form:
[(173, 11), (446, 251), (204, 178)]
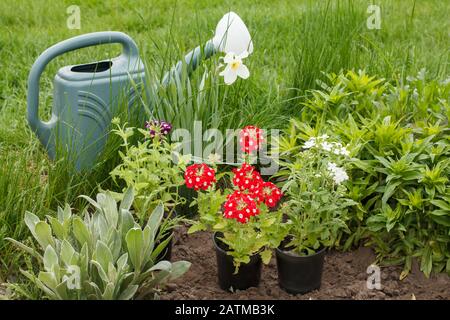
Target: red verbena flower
[(246, 177), (199, 176), (240, 206), (251, 138), (268, 193)]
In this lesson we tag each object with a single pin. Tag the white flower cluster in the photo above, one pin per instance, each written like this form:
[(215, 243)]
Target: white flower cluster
[(321, 142), (339, 175)]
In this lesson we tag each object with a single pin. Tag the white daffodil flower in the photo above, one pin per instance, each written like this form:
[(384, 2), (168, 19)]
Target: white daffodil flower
[(235, 67)]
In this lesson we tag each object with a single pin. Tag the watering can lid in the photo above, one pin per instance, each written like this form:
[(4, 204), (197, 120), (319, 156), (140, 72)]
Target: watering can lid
[(119, 67)]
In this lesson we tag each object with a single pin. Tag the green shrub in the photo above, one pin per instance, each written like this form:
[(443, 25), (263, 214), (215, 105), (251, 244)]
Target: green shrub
[(106, 255), (399, 137)]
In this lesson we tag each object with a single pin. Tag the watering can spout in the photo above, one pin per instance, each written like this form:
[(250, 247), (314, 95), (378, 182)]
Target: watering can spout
[(231, 35)]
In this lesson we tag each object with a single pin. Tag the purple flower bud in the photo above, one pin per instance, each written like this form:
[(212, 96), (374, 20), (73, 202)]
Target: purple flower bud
[(160, 128)]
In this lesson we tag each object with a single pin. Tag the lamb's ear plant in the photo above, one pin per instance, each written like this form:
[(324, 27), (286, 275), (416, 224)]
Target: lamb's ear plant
[(105, 254)]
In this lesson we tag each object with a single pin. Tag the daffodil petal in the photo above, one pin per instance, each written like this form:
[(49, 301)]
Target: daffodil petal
[(225, 71), (230, 77), (243, 72), (229, 57), (243, 55)]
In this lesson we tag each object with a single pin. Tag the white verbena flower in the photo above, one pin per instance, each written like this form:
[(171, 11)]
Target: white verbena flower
[(311, 142), (235, 67), (344, 151), (326, 146), (339, 175), (341, 151), (331, 166)]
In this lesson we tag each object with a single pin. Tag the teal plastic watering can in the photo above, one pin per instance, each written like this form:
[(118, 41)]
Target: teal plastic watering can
[(87, 96)]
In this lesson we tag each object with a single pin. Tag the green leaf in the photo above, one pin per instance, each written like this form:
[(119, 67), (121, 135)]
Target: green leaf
[(426, 262), (48, 279), (135, 243), (50, 258), (31, 220), (196, 227), (128, 293), (220, 226), (108, 294), (81, 232), (162, 265), (155, 218), (65, 214), (103, 255), (67, 252), (101, 271), (122, 263), (44, 234), (389, 191), (109, 208), (179, 268), (57, 228), (127, 222), (442, 220), (441, 204), (266, 255), (127, 200), (160, 248), (25, 248)]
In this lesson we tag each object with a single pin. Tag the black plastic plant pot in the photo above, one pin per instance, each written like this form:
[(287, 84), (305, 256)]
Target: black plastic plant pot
[(249, 274), (185, 209), (299, 274)]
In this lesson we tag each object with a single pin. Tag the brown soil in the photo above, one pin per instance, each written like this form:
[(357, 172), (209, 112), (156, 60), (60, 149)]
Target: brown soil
[(344, 277)]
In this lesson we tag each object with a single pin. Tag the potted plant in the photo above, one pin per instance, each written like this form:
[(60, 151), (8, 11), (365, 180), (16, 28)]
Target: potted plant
[(240, 214), (314, 211), (149, 168)]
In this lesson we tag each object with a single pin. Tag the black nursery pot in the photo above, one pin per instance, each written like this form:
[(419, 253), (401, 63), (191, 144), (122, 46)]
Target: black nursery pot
[(249, 274), (299, 274)]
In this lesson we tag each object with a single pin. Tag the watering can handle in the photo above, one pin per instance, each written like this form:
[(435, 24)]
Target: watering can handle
[(43, 129)]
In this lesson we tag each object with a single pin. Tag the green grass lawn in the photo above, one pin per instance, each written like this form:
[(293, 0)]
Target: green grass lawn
[(295, 40)]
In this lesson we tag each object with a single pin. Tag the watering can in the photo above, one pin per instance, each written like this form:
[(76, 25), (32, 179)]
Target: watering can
[(86, 96)]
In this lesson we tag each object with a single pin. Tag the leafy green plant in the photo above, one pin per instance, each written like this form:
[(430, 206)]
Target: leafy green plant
[(151, 168), (315, 209), (399, 135), (106, 255)]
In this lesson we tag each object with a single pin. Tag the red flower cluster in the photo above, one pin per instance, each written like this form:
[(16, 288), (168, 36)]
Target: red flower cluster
[(268, 193), (199, 176), (247, 178), (240, 206), (250, 139), (243, 203)]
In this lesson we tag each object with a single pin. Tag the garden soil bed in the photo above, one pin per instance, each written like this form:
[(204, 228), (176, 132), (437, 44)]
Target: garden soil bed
[(344, 277)]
